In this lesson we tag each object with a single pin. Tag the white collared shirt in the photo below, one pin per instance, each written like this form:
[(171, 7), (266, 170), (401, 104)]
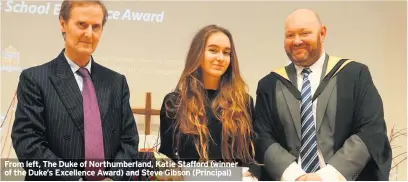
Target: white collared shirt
[(74, 67)]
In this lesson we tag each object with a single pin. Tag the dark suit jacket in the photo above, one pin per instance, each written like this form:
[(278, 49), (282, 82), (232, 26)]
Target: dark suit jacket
[(49, 117), (350, 126)]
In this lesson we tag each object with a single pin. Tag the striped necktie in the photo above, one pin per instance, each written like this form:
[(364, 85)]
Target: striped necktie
[(308, 150)]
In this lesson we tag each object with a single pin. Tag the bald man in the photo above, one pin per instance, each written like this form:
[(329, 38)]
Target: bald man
[(320, 117)]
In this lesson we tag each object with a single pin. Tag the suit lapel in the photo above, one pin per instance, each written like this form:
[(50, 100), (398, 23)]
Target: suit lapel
[(67, 88), (326, 87), (324, 97), (323, 100), (293, 103), (294, 108), (291, 70), (324, 69), (102, 90), (290, 93)]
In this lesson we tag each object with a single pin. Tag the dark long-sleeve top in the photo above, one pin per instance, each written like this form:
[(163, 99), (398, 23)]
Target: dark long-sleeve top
[(187, 150)]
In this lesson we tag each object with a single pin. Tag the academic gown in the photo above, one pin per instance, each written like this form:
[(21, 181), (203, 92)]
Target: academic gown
[(348, 105)]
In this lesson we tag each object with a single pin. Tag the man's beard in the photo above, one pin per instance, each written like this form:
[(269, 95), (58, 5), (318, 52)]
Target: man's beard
[(312, 55)]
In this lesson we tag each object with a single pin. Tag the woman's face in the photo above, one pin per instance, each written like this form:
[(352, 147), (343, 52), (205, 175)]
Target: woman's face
[(216, 55)]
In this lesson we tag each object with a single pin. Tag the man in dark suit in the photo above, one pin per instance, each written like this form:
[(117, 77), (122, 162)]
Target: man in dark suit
[(320, 117), (73, 109)]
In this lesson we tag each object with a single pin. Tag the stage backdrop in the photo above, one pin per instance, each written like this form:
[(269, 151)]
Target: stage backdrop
[(148, 41)]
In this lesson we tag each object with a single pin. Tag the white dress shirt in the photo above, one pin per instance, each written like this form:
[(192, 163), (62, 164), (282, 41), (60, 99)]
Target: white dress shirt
[(294, 170), (74, 67)]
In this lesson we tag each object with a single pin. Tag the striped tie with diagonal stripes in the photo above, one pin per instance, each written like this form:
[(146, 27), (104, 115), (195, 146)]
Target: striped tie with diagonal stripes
[(308, 150)]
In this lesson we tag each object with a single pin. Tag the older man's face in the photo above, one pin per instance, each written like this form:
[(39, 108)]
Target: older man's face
[(83, 28)]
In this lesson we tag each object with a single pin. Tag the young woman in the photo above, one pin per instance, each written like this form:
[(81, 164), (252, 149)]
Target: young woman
[(209, 115)]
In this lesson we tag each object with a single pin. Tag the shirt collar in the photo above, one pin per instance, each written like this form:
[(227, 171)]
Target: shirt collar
[(316, 67), (74, 67)]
